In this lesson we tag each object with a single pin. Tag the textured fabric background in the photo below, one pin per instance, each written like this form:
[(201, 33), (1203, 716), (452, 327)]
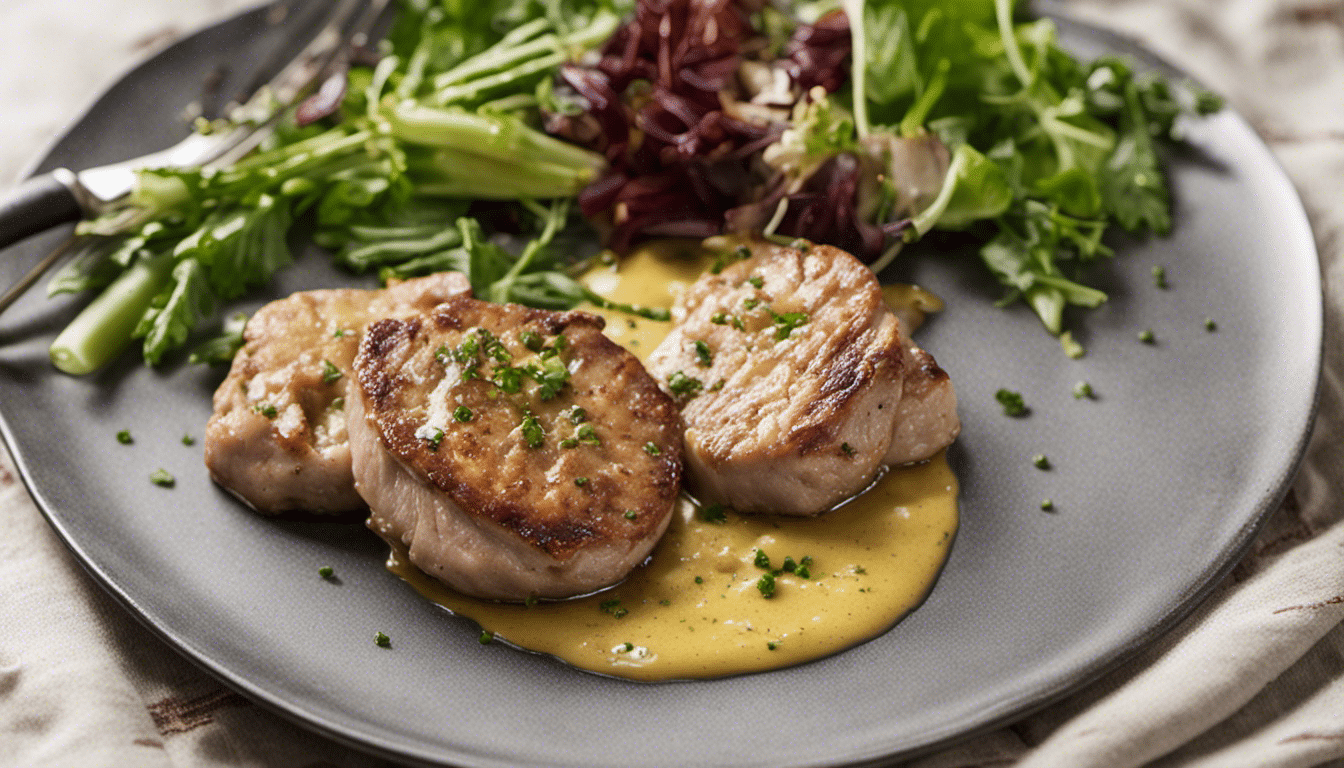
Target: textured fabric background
[(1254, 678)]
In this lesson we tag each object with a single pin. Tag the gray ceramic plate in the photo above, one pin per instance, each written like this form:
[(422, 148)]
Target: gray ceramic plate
[(1159, 485)]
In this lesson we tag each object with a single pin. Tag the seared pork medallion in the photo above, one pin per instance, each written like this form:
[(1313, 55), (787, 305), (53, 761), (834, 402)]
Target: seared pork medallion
[(796, 383), (277, 437), (514, 452)]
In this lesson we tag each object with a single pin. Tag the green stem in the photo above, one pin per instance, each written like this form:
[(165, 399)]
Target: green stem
[(913, 122), (496, 59), (453, 173), (859, 64), (379, 253), (1003, 12), (470, 90), (555, 217), (100, 332), (928, 217)]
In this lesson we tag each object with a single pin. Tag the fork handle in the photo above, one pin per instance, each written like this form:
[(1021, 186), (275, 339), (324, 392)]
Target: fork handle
[(37, 204)]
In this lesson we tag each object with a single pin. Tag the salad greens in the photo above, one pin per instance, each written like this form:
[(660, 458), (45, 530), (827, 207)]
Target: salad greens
[(1046, 152), (448, 115), (958, 115)]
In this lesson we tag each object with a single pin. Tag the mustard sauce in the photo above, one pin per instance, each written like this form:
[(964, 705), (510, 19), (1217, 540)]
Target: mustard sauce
[(741, 593)]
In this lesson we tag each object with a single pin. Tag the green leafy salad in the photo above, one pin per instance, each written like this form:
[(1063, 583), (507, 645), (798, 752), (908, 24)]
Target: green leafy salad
[(505, 139)]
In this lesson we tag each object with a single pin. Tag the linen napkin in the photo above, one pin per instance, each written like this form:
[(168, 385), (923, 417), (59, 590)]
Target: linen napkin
[(1255, 677)]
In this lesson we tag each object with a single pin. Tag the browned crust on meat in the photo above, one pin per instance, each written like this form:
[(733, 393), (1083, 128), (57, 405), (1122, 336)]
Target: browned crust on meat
[(485, 467), (925, 374), (855, 368)]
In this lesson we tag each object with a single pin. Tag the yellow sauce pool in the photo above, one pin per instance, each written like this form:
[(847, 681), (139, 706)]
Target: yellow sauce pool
[(696, 609)]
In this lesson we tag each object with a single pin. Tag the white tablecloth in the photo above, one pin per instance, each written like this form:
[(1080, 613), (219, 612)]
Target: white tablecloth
[(1254, 678)]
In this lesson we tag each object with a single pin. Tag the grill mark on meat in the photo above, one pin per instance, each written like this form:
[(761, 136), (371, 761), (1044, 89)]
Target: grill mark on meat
[(855, 366), (800, 422), (383, 339)]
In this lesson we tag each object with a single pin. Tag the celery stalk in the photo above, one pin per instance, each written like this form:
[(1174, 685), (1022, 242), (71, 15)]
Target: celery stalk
[(100, 332)]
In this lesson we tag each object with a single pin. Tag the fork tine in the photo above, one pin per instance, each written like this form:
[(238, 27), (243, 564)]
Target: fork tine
[(309, 15), (303, 68), (327, 56), (269, 101), (349, 23)]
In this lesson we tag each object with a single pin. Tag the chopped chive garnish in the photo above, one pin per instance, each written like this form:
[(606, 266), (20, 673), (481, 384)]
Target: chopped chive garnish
[(580, 481), (587, 435), (1147, 337), (486, 637), (1047, 505), (631, 514), (1082, 390), (532, 432), (531, 339), (1041, 461), (761, 560), (265, 409), (161, 477), (702, 354), (507, 378), (682, 385), (462, 413), (766, 585), (724, 259), (124, 437), (786, 323), (381, 640), (326, 571), (756, 281), (652, 449), (1012, 402), (804, 569), (330, 373), (714, 513), (1160, 277), (188, 440)]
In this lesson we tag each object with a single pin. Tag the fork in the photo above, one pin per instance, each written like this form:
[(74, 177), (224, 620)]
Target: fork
[(62, 196)]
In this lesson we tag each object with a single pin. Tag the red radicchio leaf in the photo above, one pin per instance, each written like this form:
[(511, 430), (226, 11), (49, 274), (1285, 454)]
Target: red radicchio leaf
[(826, 210), (680, 166), (819, 54), (324, 103)]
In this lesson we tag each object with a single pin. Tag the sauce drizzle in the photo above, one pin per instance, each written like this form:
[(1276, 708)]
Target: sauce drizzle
[(696, 608)]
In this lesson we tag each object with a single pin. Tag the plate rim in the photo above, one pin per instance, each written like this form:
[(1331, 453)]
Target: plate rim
[(1005, 711)]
